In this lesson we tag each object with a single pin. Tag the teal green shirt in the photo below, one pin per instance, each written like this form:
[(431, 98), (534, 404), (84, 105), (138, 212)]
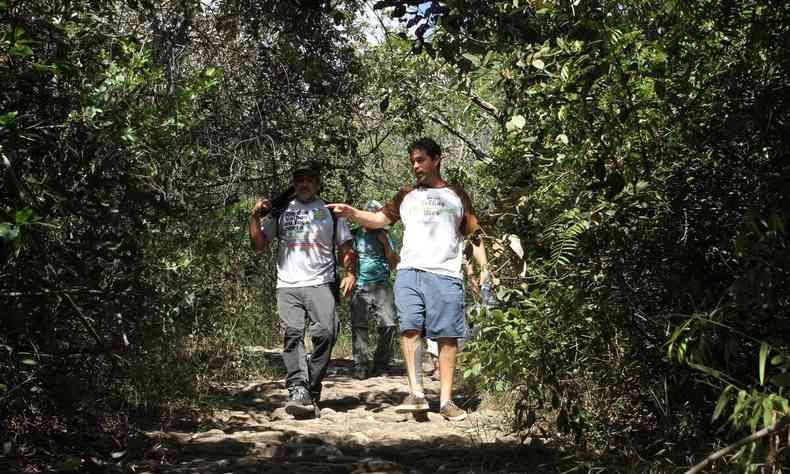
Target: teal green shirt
[(372, 266)]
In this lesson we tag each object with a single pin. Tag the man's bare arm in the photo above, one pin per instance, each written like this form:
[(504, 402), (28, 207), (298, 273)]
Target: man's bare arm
[(259, 240), (348, 260), (480, 257), (371, 220)]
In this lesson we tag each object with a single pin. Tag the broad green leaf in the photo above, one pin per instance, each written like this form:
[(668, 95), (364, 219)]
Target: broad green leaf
[(473, 58), (781, 380), (723, 399), (768, 411), (487, 58), (28, 362), (8, 118), (562, 114), (9, 231), (565, 72), (43, 67), (23, 215), (213, 72), (20, 50), (739, 404), (764, 350), (777, 359), (708, 370), (517, 122)]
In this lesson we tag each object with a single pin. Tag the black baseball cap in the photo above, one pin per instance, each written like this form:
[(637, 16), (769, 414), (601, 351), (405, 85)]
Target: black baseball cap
[(307, 170)]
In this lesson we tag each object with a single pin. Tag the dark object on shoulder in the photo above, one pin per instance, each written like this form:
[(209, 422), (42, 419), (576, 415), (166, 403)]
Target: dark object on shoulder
[(279, 203)]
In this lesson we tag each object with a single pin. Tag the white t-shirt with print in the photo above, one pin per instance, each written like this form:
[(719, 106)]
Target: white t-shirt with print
[(435, 221), (304, 256)]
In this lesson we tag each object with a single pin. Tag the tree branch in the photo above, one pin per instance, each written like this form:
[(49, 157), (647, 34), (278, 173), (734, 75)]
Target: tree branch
[(85, 321), (768, 430), (488, 107), (475, 149), (47, 292)]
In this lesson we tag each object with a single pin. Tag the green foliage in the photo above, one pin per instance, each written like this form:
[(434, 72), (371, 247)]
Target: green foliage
[(642, 161), (128, 136), (628, 162)]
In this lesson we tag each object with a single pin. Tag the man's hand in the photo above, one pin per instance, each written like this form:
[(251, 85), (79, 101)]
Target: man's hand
[(261, 206), (370, 220), (473, 284), (484, 274), (258, 238), (347, 284), (342, 210)]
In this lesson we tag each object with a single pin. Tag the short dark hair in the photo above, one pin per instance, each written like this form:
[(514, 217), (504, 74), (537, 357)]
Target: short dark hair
[(428, 145)]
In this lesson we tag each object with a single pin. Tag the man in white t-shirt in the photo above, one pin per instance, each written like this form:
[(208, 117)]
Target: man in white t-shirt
[(429, 288), (306, 289)]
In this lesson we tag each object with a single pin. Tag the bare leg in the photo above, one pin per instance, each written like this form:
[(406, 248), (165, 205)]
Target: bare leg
[(448, 348), (409, 340), (419, 351)]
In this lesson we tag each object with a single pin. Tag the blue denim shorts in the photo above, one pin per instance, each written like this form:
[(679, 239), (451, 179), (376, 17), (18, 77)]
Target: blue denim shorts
[(430, 303)]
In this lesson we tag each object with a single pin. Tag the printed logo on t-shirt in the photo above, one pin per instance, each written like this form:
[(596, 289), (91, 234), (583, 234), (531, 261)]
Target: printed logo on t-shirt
[(432, 208), (300, 227), (432, 235)]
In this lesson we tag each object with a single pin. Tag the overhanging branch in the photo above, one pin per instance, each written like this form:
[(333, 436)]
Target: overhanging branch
[(488, 107), (475, 149), (768, 430)]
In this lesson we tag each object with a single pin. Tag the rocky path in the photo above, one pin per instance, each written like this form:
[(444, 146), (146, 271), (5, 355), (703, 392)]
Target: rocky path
[(358, 432)]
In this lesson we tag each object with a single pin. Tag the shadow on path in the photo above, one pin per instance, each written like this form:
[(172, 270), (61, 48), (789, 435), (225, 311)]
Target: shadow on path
[(358, 431)]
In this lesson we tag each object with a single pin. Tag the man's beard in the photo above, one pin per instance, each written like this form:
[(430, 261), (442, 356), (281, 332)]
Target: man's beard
[(305, 196)]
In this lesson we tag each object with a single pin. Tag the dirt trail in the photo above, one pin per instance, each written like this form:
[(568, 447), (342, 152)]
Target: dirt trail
[(358, 432)]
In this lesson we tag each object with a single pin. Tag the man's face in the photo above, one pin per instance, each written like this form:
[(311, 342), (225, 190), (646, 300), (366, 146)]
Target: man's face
[(423, 166), (306, 187)]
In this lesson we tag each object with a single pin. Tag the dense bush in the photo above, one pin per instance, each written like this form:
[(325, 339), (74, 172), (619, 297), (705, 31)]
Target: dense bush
[(134, 138), (641, 180), (629, 162)]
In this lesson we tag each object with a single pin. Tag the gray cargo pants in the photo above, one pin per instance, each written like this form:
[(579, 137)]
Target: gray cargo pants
[(373, 301), (319, 305)]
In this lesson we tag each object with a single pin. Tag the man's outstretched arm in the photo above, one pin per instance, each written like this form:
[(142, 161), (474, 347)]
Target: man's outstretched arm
[(371, 220)]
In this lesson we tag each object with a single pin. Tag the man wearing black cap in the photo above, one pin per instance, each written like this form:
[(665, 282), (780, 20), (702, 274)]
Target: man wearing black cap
[(308, 234)]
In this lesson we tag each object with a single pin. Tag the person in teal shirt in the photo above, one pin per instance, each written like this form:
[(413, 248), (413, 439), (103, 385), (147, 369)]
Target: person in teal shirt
[(373, 297)]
